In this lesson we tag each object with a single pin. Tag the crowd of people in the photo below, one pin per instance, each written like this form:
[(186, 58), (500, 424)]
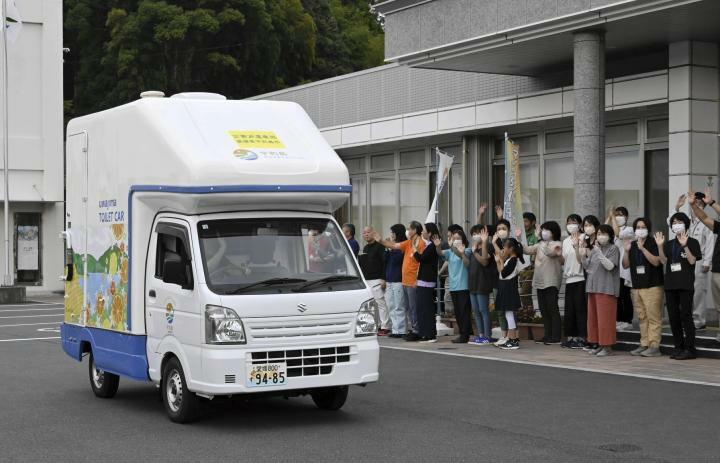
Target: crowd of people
[(612, 272)]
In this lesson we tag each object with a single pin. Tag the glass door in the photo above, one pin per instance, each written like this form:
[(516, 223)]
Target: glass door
[(656, 188)]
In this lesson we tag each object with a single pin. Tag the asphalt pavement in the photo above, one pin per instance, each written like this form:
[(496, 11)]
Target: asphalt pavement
[(426, 407)]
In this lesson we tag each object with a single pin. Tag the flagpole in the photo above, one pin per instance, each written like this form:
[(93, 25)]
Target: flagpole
[(7, 276)]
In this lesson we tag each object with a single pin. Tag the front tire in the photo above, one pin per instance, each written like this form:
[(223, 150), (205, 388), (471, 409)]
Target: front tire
[(103, 384), (181, 404), (331, 398)]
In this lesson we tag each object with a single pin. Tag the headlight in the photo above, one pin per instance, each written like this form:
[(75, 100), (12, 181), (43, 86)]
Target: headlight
[(366, 321), (223, 326)]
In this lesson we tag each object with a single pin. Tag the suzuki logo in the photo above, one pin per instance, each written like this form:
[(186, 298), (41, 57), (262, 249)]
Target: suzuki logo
[(302, 307)]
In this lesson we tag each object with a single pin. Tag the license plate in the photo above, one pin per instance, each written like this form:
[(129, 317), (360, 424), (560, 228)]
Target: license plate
[(267, 374)]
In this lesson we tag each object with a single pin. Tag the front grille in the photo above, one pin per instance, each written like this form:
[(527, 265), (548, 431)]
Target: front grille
[(229, 379), (282, 329), (305, 362)]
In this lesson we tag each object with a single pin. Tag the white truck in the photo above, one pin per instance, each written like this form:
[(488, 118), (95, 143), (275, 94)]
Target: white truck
[(202, 254)]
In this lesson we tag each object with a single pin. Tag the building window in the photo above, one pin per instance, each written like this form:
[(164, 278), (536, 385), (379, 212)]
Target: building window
[(383, 162), (457, 214), (623, 181), (358, 201), (413, 196), (624, 134), (559, 196), (657, 129), (355, 165), (412, 159), (529, 186), (383, 202), (559, 141), (528, 145)]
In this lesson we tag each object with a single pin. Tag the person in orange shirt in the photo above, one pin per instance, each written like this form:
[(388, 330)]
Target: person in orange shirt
[(410, 269)]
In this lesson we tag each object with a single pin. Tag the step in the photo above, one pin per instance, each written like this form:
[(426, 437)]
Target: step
[(707, 346)]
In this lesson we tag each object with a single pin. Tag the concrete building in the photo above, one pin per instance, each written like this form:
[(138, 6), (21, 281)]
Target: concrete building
[(36, 147), (612, 103)]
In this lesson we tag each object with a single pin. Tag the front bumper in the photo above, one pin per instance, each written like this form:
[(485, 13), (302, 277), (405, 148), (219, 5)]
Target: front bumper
[(226, 370)]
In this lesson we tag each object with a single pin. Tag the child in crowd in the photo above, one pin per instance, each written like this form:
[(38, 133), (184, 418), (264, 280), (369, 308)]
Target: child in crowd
[(508, 302)]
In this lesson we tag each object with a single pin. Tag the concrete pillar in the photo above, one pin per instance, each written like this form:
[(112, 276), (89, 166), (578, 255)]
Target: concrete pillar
[(589, 122), (694, 93)]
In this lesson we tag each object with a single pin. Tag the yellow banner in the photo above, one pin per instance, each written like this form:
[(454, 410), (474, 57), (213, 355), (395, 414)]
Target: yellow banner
[(256, 139)]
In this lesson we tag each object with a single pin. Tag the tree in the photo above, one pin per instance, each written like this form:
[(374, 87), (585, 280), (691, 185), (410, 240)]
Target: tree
[(239, 48)]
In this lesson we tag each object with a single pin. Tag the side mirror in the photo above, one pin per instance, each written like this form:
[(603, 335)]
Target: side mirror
[(174, 270)]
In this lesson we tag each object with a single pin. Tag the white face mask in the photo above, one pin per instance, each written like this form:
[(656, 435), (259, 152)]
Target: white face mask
[(457, 243), (603, 239), (546, 235), (573, 228), (678, 228), (641, 233), (589, 230), (620, 220), (476, 238), (502, 234)]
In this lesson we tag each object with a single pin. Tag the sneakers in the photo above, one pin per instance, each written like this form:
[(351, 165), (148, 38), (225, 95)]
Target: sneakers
[(511, 344), (479, 341), (428, 340), (500, 342), (651, 352), (595, 351), (412, 337), (637, 352), (603, 352), (685, 355), (567, 344), (578, 344), (552, 342), (460, 340), (590, 347), (623, 326)]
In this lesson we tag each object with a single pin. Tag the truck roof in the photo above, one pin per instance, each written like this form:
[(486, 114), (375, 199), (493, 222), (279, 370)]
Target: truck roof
[(191, 141)]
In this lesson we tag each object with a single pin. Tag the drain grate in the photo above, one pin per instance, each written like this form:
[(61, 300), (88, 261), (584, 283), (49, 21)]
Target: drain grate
[(620, 448)]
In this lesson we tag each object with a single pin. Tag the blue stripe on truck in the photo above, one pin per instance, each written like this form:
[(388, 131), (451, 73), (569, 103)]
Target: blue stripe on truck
[(120, 353), (209, 189)]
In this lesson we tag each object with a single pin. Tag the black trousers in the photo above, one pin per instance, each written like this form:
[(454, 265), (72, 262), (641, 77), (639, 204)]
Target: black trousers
[(624, 304), (426, 312), (680, 312), (575, 310), (548, 302), (461, 302)]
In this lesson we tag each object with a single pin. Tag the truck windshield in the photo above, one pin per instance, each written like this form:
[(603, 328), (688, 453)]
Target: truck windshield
[(276, 255)]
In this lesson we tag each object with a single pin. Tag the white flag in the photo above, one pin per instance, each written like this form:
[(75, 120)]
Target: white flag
[(13, 23), (445, 162)]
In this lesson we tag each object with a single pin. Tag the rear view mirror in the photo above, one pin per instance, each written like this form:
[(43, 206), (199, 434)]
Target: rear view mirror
[(175, 271)]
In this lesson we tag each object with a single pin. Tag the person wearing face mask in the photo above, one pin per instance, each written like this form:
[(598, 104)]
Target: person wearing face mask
[(603, 287), (642, 258), (713, 225), (458, 259), (679, 257), (394, 294), (706, 238), (502, 234), (547, 278), (426, 282), (409, 271), (482, 279), (575, 321), (507, 301), (618, 219)]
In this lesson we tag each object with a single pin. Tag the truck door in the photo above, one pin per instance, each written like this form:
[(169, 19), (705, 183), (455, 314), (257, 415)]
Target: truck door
[(171, 309), (76, 310)]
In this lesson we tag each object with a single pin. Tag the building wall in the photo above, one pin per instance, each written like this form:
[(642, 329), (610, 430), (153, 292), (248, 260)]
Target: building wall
[(440, 22), (36, 131)]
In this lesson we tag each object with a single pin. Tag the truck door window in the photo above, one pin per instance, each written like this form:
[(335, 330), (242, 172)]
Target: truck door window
[(172, 247)]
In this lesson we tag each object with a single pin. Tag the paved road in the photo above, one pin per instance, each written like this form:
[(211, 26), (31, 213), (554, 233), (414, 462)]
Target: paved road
[(427, 407)]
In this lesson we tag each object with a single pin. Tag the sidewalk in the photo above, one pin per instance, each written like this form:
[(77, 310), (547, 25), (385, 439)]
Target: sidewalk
[(699, 371)]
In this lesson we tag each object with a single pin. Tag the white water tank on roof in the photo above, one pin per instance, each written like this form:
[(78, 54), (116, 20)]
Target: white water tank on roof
[(199, 96)]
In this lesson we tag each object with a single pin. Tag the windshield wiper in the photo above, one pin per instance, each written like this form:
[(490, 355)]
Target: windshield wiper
[(330, 279), (268, 282)]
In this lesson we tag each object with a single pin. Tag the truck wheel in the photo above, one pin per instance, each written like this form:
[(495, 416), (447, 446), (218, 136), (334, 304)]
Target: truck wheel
[(181, 404), (103, 384), (331, 398)]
